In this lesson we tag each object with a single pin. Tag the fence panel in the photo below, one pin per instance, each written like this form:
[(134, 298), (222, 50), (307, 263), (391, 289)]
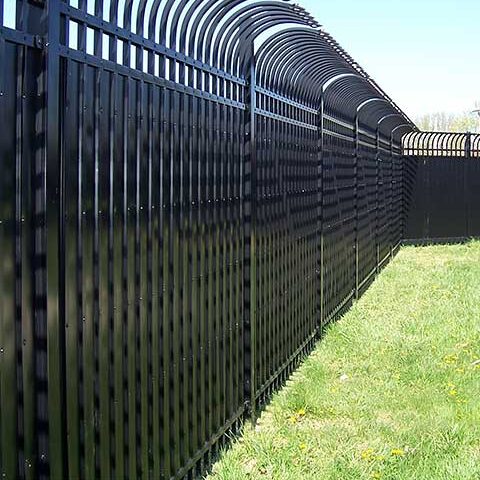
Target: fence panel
[(181, 213), (23, 328), (367, 211), (444, 170), (154, 230), (338, 229), (286, 313)]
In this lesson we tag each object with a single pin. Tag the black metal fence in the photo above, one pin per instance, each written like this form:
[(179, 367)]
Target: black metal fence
[(187, 197), (445, 193)]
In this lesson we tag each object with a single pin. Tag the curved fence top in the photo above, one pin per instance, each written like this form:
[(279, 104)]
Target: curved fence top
[(202, 43), (442, 144)]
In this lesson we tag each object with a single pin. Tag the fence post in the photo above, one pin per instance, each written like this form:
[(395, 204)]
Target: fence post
[(320, 213), (466, 196), (404, 159), (250, 241), (390, 243), (377, 162), (355, 170)]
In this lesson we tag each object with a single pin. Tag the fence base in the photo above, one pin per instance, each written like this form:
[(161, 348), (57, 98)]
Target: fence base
[(438, 241)]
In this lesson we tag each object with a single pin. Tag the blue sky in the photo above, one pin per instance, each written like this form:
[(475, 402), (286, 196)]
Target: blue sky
[(423, 53)]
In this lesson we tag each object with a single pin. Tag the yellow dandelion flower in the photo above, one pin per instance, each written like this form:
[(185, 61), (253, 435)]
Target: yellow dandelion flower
[(293, 419), (397, 452), (376, 475), (301, 412), (453, 392), (303, 446), (450, 359), (368, 454)]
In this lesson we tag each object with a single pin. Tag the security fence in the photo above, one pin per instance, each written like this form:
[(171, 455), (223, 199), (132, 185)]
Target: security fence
[(445, 193), (188, 196)]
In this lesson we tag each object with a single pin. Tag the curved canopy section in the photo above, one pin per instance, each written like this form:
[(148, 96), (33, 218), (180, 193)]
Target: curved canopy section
[(442, 144), (378, 114), (216, 32), (388, 122), (400, 130), (346, 95), (294, 57), (475, 145), (297, 62), (305, 65)]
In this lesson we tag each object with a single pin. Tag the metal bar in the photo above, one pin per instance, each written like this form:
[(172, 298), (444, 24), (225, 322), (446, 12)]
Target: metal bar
[(155, 287), (8, 196), (54, 233), (21, 38), (72, 282), (286, 100), (87, 256), (465, 186), (356, 226), (116, 240), (28, 65), (285, 119), (250, 242), (321, 147), (121, 69)]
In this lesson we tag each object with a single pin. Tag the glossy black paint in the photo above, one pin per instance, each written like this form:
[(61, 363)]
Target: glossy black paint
[(445, 193), (181, 215)]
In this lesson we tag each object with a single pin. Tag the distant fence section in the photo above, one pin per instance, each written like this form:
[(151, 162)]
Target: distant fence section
[(445, 188), (187, 198)]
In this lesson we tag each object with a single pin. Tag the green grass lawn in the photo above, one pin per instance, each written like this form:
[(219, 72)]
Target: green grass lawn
[(393, 389)]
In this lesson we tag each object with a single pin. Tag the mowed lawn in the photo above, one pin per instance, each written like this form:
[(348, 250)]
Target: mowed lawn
[(393, 389)]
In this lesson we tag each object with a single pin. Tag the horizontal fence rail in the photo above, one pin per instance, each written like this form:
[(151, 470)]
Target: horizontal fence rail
[(189, 195)]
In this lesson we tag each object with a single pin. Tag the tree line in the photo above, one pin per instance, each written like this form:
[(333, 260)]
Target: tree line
[(450, 122)]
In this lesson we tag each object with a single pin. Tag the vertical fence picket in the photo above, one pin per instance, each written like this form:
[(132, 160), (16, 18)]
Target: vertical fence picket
[(54, 235), (250, 253)]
